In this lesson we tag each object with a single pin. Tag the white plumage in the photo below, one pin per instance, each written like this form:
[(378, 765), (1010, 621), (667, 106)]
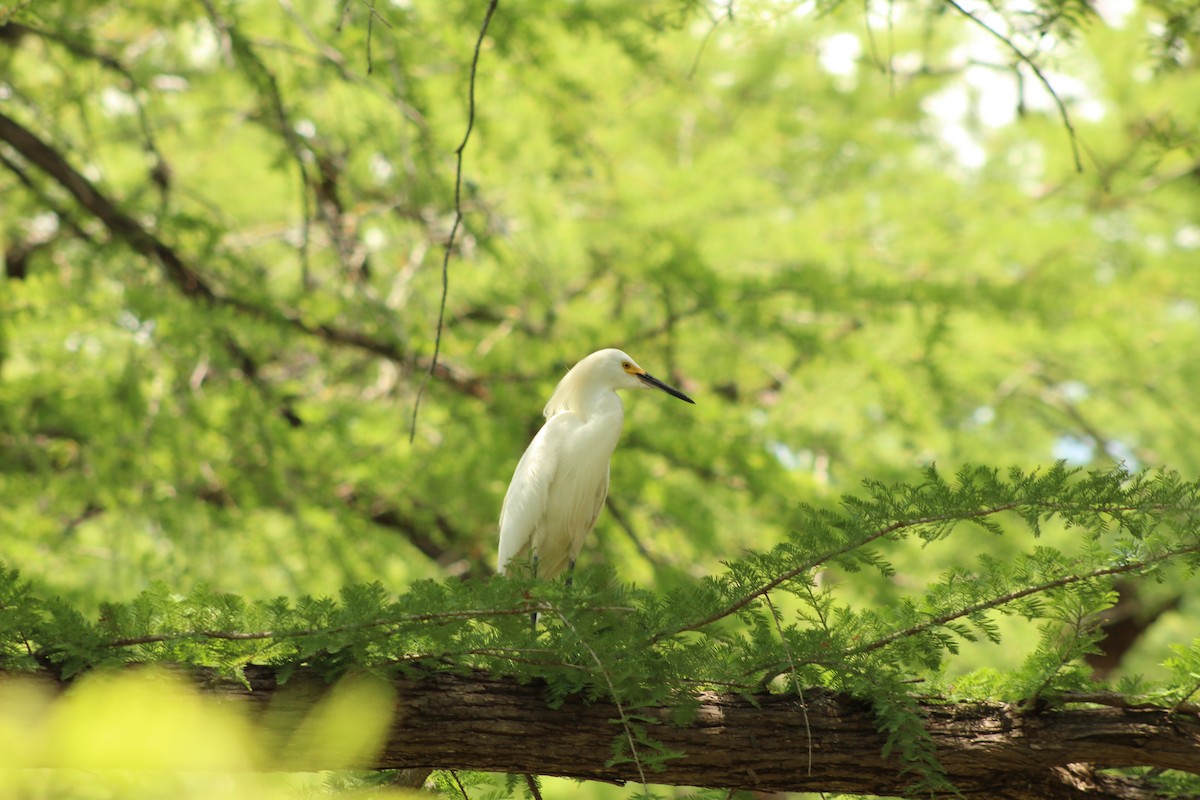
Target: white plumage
[(561, 481)]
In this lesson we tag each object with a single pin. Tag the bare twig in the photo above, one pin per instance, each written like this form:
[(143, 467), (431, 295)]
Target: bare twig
[(716, 20), (1028, 61), (531, 782), (371, 67), (267, 86), (458, 215), (461, 788), (624, 524)]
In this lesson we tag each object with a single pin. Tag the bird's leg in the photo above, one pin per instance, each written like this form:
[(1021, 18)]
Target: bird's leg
[(570, 573), (533, 616)]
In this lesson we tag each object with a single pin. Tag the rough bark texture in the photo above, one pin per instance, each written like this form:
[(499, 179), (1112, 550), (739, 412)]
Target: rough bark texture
[(828, 743)]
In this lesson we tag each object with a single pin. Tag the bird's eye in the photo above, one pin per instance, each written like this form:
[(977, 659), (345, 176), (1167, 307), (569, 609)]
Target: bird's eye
[(625, 365)]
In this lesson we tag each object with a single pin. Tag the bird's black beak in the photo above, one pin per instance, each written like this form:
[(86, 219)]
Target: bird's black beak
[(649, 380)]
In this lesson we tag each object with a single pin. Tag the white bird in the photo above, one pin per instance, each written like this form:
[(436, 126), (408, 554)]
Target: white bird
[(561, 481)]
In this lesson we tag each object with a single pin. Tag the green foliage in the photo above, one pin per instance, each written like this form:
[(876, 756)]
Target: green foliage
[(20, 614), (1185, 670), (603, 639), (715, 199), (1174, 785), (855, 233)]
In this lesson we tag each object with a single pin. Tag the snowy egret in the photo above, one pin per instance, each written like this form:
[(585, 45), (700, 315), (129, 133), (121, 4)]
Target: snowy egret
[(562, 479)]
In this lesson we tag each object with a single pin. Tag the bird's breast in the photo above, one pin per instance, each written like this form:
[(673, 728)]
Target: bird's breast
[(591, 443)]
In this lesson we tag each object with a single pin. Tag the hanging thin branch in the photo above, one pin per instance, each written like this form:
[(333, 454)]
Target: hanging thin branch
[(1025, 59), (458, 216)]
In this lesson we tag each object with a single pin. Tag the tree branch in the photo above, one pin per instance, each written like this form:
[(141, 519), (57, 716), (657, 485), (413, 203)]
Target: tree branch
[(1024, 58), (988, 750), (189, 281), (795, 572), (458, 214), (249, 636), (958, 516), (996, 602)]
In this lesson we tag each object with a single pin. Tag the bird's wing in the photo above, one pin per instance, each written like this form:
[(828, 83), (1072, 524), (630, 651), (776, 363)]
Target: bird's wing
[(601, 493), (597, 506), (529, 491)]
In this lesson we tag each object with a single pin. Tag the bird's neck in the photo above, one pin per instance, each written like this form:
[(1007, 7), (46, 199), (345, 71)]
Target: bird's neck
[(604, 403)]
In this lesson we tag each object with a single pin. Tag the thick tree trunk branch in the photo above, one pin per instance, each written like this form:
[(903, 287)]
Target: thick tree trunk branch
[(829, 743)]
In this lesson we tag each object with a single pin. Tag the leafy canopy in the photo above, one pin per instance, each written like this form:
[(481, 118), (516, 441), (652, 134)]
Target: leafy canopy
[(857, 235)]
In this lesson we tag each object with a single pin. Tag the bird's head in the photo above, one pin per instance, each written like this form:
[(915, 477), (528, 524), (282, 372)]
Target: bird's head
[(616, 369), (604, 370)]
